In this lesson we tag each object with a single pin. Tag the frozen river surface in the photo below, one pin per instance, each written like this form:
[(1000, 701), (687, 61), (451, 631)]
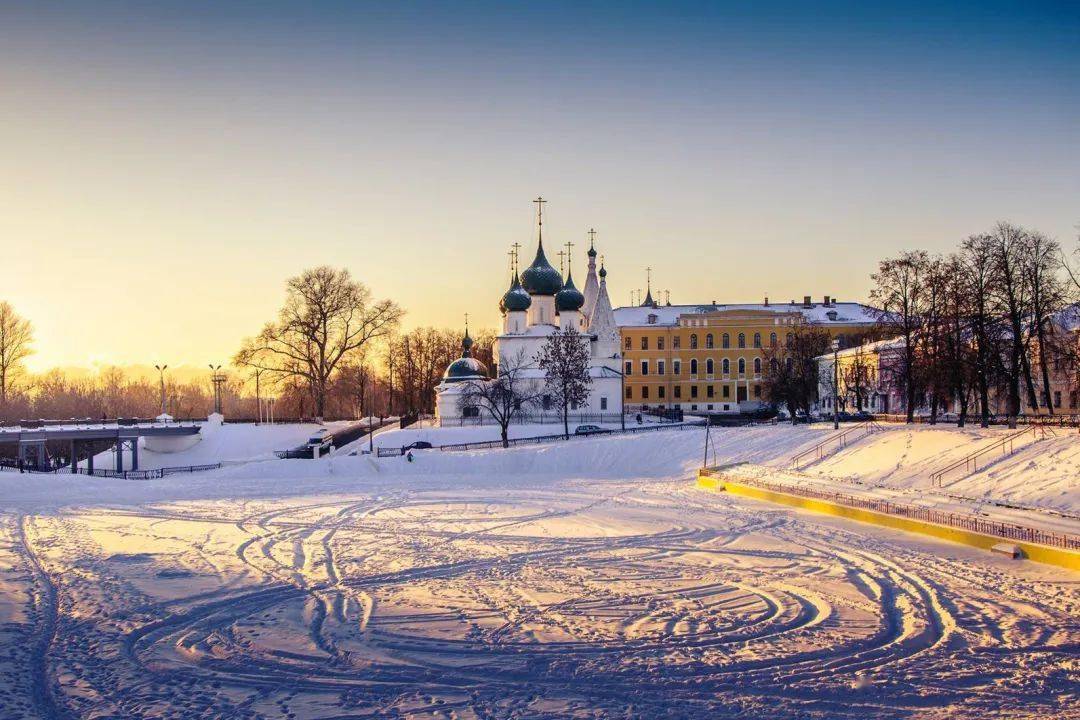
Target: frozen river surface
[(642, 599)]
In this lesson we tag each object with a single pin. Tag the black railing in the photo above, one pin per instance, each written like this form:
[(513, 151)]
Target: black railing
[(840, 439), (971, 523), (539, 439), (118, 474)]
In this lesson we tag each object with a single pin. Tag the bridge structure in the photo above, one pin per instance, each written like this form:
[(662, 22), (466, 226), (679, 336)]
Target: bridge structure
[(31, 438)]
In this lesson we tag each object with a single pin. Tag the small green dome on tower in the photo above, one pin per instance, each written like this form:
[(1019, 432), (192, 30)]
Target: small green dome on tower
[(515, 299), (569, 298)]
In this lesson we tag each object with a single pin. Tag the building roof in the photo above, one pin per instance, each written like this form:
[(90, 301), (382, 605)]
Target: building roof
[(846, 313)]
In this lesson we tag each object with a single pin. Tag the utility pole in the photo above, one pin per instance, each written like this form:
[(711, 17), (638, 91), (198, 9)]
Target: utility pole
[(161, 376)]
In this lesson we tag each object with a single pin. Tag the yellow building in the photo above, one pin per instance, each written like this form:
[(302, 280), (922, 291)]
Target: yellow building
[(712, 357)]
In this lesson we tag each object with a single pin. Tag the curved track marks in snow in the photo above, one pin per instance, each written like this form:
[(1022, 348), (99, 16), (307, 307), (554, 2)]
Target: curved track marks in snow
[(576, 600)]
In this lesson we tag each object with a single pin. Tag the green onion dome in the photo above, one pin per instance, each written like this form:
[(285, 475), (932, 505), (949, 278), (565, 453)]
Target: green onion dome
[(540, 278), (569, 298), (465, 367), (515, 299)]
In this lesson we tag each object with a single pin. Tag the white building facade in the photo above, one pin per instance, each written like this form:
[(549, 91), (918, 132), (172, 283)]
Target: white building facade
[(539, 303)]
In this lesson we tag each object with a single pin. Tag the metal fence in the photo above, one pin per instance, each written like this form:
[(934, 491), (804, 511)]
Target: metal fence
[(539, 439), (971, 523), (973, 419), (120, 475), (540, 418)]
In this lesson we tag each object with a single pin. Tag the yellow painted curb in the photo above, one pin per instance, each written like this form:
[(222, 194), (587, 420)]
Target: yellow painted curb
[(1038, 553)]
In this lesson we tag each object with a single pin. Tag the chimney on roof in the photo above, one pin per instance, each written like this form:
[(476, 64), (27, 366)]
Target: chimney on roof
[(766, 301), (826, 301), (806, 302)]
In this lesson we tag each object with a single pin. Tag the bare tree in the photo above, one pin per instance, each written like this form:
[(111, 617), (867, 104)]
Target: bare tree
[(791, 376), (505, 398), (327, 317), (564, 358), (901, 294), (1012, 291), (857, 376), (16, 336), (978, 279), (1048, 297)]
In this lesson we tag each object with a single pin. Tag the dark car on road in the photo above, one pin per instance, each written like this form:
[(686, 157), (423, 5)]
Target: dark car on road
[(590, 430)]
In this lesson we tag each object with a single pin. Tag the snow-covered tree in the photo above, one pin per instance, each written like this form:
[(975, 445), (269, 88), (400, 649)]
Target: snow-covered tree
[(564, 358)]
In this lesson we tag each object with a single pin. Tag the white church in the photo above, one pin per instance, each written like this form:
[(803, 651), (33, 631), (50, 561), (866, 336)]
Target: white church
[(539, 303)]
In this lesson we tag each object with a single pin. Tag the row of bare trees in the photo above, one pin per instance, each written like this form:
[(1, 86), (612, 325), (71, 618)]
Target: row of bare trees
[(982, 322)]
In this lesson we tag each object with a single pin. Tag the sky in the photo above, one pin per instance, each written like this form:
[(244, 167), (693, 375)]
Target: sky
[(166, 166)]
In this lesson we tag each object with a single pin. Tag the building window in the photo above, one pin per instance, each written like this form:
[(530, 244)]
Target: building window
[(644, 367), (660, 392), (645, 392), (693, 341), (709, 341), (709, 366), (772, 340), (757, 340), (1074, 396), (644, 343), (676, 342), (709, 391), (693, 391), (659, 343), (787, 339), (603, 403), (757, 366), (742, 340), (742, 366), (660, 367), (470, 411), (678, 391), (725, 364), (626, 342), (727, 391), (1057, 398), (757, 391), (629, 368), (725, 341), (693, 366), (629, 393), (545, 402), (677, 367)]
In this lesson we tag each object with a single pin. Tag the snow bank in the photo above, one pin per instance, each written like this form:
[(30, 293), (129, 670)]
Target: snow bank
[(1041, 472), (221, 443)]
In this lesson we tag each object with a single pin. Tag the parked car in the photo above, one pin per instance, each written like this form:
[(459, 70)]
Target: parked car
[(419, 445), (854, 416), (590, 430)]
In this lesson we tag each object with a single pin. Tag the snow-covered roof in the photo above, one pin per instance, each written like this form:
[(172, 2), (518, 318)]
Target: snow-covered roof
[(845, 312), (878, 346)]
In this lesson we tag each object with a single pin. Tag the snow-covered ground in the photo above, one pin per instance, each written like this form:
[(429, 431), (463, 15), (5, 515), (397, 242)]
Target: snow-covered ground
[(222, 443), (580, 579), (1042, 472)]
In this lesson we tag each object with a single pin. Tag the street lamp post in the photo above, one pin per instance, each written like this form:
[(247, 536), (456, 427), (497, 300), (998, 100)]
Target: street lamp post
[(217, 378), (258, 400), (836, 383), (161, 377)]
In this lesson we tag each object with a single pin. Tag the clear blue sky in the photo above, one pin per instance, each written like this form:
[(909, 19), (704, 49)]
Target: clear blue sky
[(182, 159)]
